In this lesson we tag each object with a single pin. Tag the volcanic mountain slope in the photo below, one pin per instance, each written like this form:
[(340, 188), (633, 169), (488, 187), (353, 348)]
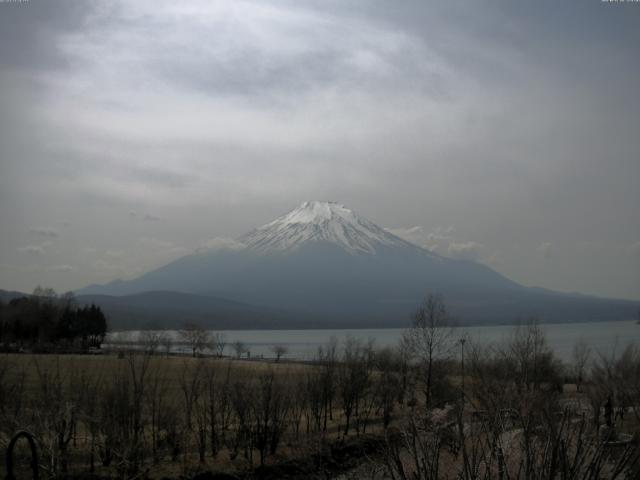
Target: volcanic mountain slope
[(327, 266)]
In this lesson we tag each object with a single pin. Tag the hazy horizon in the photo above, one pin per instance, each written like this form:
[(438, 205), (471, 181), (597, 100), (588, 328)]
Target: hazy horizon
[(133, 133)]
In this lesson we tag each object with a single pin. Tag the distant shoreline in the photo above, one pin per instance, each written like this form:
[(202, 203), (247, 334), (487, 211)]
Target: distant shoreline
[(375, 327)]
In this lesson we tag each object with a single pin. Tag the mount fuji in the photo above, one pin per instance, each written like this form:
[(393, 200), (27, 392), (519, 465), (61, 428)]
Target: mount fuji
[(322, 265)]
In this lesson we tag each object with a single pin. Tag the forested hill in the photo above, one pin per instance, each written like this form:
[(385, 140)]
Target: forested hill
[(45, 321)]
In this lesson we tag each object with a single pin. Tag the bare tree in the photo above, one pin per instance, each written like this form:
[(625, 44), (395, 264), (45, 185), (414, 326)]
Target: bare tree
[(270, 408), (601, 384), (581, 354), (195, 336), (155, 403), (150, 341), (386, 383), (628, 380), (616, 377), (167, 343), (138, 375), (279, 351), (12, 387), (243, 394), (54, 415), (353, 379), (192, 385), (120, 412), (403, 355), (430, 337), (299, 400), (218, 343), (328, 359), (214, 400), (240, 348), (416, 451)]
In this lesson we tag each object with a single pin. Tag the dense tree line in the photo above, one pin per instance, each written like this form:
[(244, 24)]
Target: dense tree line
[(44, 320)]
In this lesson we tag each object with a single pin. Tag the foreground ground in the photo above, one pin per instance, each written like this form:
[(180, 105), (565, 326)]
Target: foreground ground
[(359, 414)]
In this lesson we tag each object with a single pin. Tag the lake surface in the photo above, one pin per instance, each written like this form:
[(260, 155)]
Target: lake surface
[(604, 337)]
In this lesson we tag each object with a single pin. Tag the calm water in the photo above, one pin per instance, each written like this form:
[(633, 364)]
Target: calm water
[(303, 344)]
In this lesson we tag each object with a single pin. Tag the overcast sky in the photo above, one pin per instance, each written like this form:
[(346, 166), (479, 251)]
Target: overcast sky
[(132, 133)]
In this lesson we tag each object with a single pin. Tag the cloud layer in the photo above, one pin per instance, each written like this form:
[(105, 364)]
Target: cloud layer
[(123, 122)]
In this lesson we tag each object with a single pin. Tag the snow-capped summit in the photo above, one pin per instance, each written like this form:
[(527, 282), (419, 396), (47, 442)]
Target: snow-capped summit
[(317, 212), (317, 221)]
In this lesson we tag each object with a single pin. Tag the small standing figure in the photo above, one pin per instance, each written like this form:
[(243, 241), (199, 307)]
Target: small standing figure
[(608, 412)]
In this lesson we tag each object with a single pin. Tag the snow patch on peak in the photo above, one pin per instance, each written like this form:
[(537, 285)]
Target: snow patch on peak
[(317, 212), (328, 222)]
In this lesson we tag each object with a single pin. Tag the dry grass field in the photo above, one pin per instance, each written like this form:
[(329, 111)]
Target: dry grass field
[(354, 414), (69, 402)]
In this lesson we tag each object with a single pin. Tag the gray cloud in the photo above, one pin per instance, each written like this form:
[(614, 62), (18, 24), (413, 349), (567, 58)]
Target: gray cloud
[(32, 249), (104, 266), (545, 249), (465, 250), (147, 217), (49, 232), (221, 243), (61, 268), (29, 32), (502, 119), (159, 251), (415, 234), (442, 240)]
